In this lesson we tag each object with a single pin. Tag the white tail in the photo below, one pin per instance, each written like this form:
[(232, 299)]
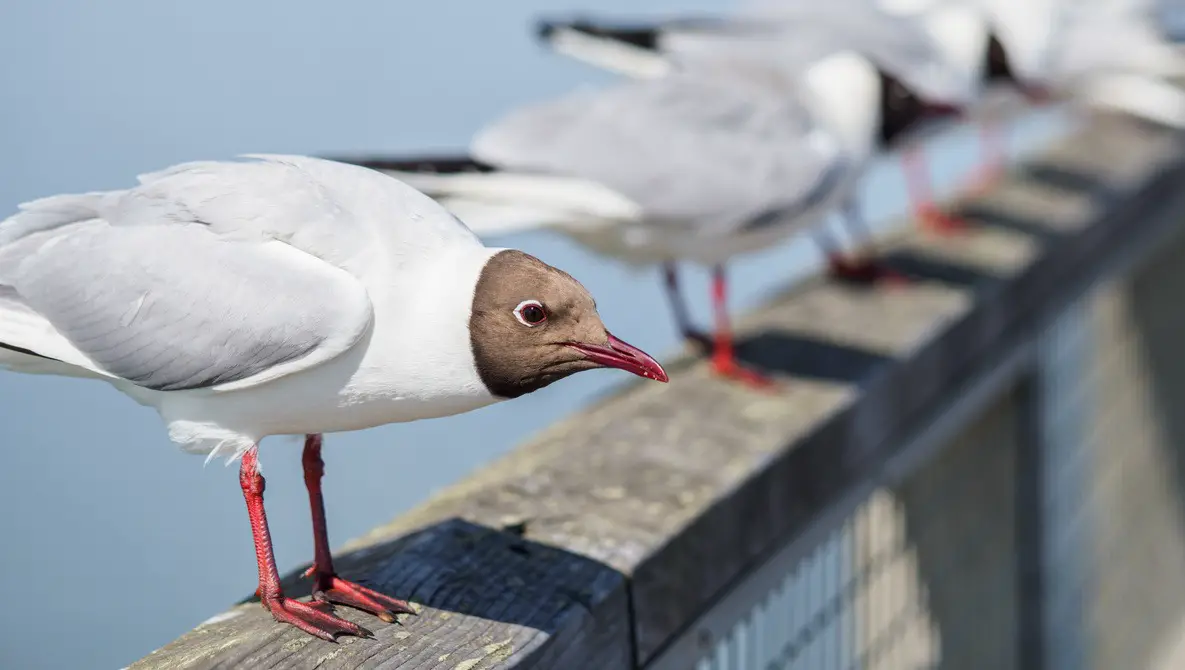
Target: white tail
[(51, 212), (608, 54), (22, 328), (499, 218), (500, 202)]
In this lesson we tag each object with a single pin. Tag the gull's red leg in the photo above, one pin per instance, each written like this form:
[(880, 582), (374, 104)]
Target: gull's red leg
[(991, 140), (286, 610), (724, 361), (327, 586), (917, 180)]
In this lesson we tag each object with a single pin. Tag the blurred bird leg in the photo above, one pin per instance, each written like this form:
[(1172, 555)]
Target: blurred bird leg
[(917, 181), (679, 308), (992, 140), (724, 360), (719, 345), (861, 267)]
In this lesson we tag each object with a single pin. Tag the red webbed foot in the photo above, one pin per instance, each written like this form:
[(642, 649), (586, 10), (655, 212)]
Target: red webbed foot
[(725, 364), (729, 368), (312, 619), (333, 589), (864, 271), (938, 221)]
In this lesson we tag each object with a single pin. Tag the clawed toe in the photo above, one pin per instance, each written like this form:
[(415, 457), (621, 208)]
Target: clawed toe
[(312, 619), (336, 590)]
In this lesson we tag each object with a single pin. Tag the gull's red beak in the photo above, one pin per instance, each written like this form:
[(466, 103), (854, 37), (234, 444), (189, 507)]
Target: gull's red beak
[(623, 356)]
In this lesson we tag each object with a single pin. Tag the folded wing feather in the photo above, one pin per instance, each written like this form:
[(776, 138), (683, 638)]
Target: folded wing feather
[(204, 276)]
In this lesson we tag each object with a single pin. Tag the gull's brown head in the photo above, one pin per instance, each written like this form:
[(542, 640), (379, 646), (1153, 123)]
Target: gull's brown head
[(532, 324)]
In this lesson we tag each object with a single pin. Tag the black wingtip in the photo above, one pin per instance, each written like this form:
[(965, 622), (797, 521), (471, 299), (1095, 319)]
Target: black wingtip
[(424, 164), (22, 350), (545, 28), (641, 35)]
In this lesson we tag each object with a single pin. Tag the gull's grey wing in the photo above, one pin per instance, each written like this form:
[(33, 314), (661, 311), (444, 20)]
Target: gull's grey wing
[(797, 33), (179, 307), (688, 149), (349, 216)]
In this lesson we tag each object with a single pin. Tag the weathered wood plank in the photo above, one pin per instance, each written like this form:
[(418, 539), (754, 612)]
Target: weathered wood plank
[(487, 598), (636, 514)]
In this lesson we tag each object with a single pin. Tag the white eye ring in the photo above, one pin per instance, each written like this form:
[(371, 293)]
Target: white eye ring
[(518, 313)]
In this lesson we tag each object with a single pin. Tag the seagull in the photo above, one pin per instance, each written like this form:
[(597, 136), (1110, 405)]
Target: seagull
[(997, 46), (280, 295), (1095, 53), (946, 51), (1112, 54), (697, 166)]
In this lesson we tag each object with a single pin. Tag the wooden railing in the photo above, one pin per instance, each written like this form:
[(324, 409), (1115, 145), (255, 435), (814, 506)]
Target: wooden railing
[(604, 541)]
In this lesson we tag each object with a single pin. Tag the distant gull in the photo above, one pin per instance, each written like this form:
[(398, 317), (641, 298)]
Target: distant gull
[(944, 51), (288, 295), (1090, 53), (696, 166), (1113, 55), (996, 49)]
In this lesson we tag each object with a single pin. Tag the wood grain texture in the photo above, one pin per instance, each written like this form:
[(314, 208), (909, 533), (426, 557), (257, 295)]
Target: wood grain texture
[(631, 518)]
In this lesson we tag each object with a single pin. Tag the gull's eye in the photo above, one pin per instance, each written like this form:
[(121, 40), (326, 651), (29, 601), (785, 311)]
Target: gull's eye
[(530, 313)]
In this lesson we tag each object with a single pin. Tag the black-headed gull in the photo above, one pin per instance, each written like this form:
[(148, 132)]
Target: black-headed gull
[(695, 166), (944, 51), (996, 55), (288, 295), (1091, 53)]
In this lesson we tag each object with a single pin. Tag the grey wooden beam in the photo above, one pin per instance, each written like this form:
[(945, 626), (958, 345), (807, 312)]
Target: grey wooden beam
[(596, 543)]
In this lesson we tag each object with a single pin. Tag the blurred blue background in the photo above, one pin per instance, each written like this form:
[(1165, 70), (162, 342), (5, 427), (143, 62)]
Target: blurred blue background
[(113, 542)]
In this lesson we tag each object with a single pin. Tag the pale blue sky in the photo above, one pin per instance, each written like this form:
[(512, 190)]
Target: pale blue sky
[(112, 541)]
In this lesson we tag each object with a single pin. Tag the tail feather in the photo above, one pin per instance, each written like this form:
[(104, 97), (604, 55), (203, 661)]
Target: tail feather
[(642, 36), (632, 51), (426, 164), (30, 343), (498, 201), (52, 212), (486, 218)]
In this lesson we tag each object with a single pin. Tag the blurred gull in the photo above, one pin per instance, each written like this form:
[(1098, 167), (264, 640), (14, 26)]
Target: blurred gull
[(1090, 53), (943, 50), (699, 166), (795, 33), (1111, 54), (288, 295)]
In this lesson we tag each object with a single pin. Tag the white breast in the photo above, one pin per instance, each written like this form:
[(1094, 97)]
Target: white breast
[(415, 363), (843, 91)]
